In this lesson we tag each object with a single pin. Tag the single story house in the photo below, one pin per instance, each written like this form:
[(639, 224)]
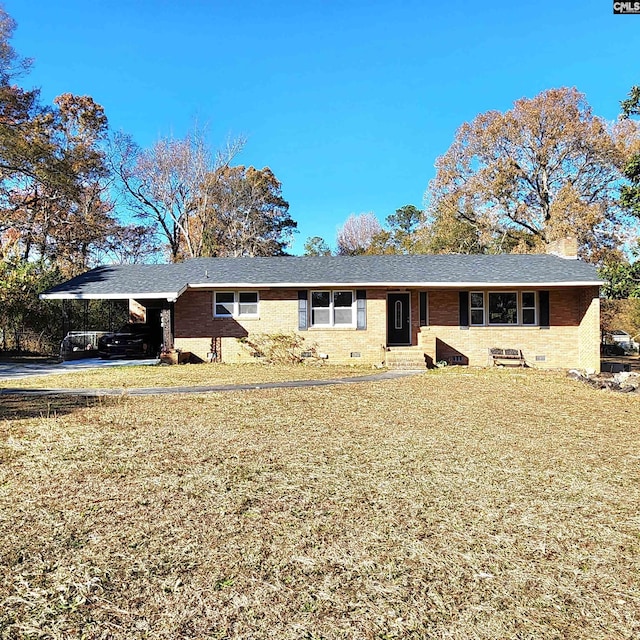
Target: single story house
[(415, 309)]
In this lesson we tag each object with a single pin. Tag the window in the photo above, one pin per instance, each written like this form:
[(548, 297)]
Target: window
[(320, 308), (528, 307), (234, 304), (423, 304), (332, 309), (398, 315), (503, 307), (343, 307), (476, 306), (225, 304), (248, 303)]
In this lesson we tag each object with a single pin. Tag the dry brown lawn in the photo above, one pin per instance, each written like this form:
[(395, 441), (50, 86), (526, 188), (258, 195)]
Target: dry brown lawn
[(455, 504), (130, 376)]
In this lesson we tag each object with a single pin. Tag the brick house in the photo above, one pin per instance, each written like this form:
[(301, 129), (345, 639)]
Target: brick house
[(367, 309)]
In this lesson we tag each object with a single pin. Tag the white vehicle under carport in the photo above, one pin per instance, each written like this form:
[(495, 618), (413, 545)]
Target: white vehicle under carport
[(77, 345)]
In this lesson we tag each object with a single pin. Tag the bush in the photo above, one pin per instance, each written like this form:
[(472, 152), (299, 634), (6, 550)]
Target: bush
[(279, 348)]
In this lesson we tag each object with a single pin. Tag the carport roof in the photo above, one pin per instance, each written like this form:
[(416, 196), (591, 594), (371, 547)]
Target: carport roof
[(169, 281)]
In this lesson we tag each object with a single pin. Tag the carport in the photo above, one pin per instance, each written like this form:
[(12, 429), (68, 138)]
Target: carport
[(150, 291)]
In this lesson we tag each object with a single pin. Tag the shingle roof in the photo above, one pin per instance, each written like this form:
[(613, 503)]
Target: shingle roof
[(170, 280), (123, 281)]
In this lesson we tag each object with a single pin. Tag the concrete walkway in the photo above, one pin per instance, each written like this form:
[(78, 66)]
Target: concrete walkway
[(20, 370), (153, 391)]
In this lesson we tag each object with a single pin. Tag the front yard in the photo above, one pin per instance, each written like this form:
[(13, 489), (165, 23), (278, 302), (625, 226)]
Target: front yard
[(130, 376), (453, 504)]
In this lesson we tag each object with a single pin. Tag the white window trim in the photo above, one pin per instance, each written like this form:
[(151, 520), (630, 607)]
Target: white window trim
[(236, 305), (332, 324), (519, 323), (484, 310), (535, 309)]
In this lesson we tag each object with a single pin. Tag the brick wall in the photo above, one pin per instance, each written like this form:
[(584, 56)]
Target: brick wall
[(572, 340), (195, 327), (589, 333)]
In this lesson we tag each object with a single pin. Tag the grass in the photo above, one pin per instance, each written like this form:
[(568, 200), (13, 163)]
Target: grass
[(454, 504), (130, 376)]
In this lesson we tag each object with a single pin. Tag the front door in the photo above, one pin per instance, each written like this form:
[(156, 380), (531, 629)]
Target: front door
[(398, 319)]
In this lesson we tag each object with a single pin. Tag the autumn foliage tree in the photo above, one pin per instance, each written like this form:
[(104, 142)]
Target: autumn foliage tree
[(630, 193), (544, 169), (62, 209), (245, 214), (401, 234), (54, 207), (52, 169), (621, 274)]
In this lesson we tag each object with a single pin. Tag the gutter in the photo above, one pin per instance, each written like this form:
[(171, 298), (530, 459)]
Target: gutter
[(414, 285)]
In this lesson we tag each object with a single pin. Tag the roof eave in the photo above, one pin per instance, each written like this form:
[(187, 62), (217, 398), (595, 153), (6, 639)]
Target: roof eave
[(171, 296), (422, 285)]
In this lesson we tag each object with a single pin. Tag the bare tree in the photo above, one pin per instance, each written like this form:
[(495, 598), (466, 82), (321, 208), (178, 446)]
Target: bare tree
[(357, 234), (166, 185)]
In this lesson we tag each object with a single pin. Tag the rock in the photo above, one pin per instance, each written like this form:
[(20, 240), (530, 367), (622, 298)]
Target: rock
[(622, 381), (630, 378)]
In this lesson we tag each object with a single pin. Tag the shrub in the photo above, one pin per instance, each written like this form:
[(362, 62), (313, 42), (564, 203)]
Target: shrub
[(279, 348)]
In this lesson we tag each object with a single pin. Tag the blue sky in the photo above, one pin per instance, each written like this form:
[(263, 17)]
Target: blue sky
[(349, 103)]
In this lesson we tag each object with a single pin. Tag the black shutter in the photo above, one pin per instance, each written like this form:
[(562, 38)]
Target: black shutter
[(464, 308), (543, 301), (423, 308), (361, 309), (303, 315)]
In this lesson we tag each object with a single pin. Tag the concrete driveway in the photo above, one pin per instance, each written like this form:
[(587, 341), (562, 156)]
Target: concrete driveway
[(17, 370)]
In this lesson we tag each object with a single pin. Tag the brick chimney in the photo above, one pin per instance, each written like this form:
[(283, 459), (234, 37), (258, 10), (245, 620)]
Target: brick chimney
[(564, 248)]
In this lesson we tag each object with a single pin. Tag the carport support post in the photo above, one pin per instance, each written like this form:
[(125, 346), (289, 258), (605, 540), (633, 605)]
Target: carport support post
[(167, 328), (66, 318)]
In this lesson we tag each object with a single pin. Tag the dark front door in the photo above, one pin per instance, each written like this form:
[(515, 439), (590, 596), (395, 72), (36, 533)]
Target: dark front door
[(398, 319)]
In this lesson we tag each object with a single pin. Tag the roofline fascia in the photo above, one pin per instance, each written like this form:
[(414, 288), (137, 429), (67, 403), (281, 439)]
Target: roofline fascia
[(172, 296), (421, 285), (169, 296)]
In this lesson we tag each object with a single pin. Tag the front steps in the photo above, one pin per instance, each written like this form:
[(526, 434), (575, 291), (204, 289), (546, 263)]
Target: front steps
[(405, 358)]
